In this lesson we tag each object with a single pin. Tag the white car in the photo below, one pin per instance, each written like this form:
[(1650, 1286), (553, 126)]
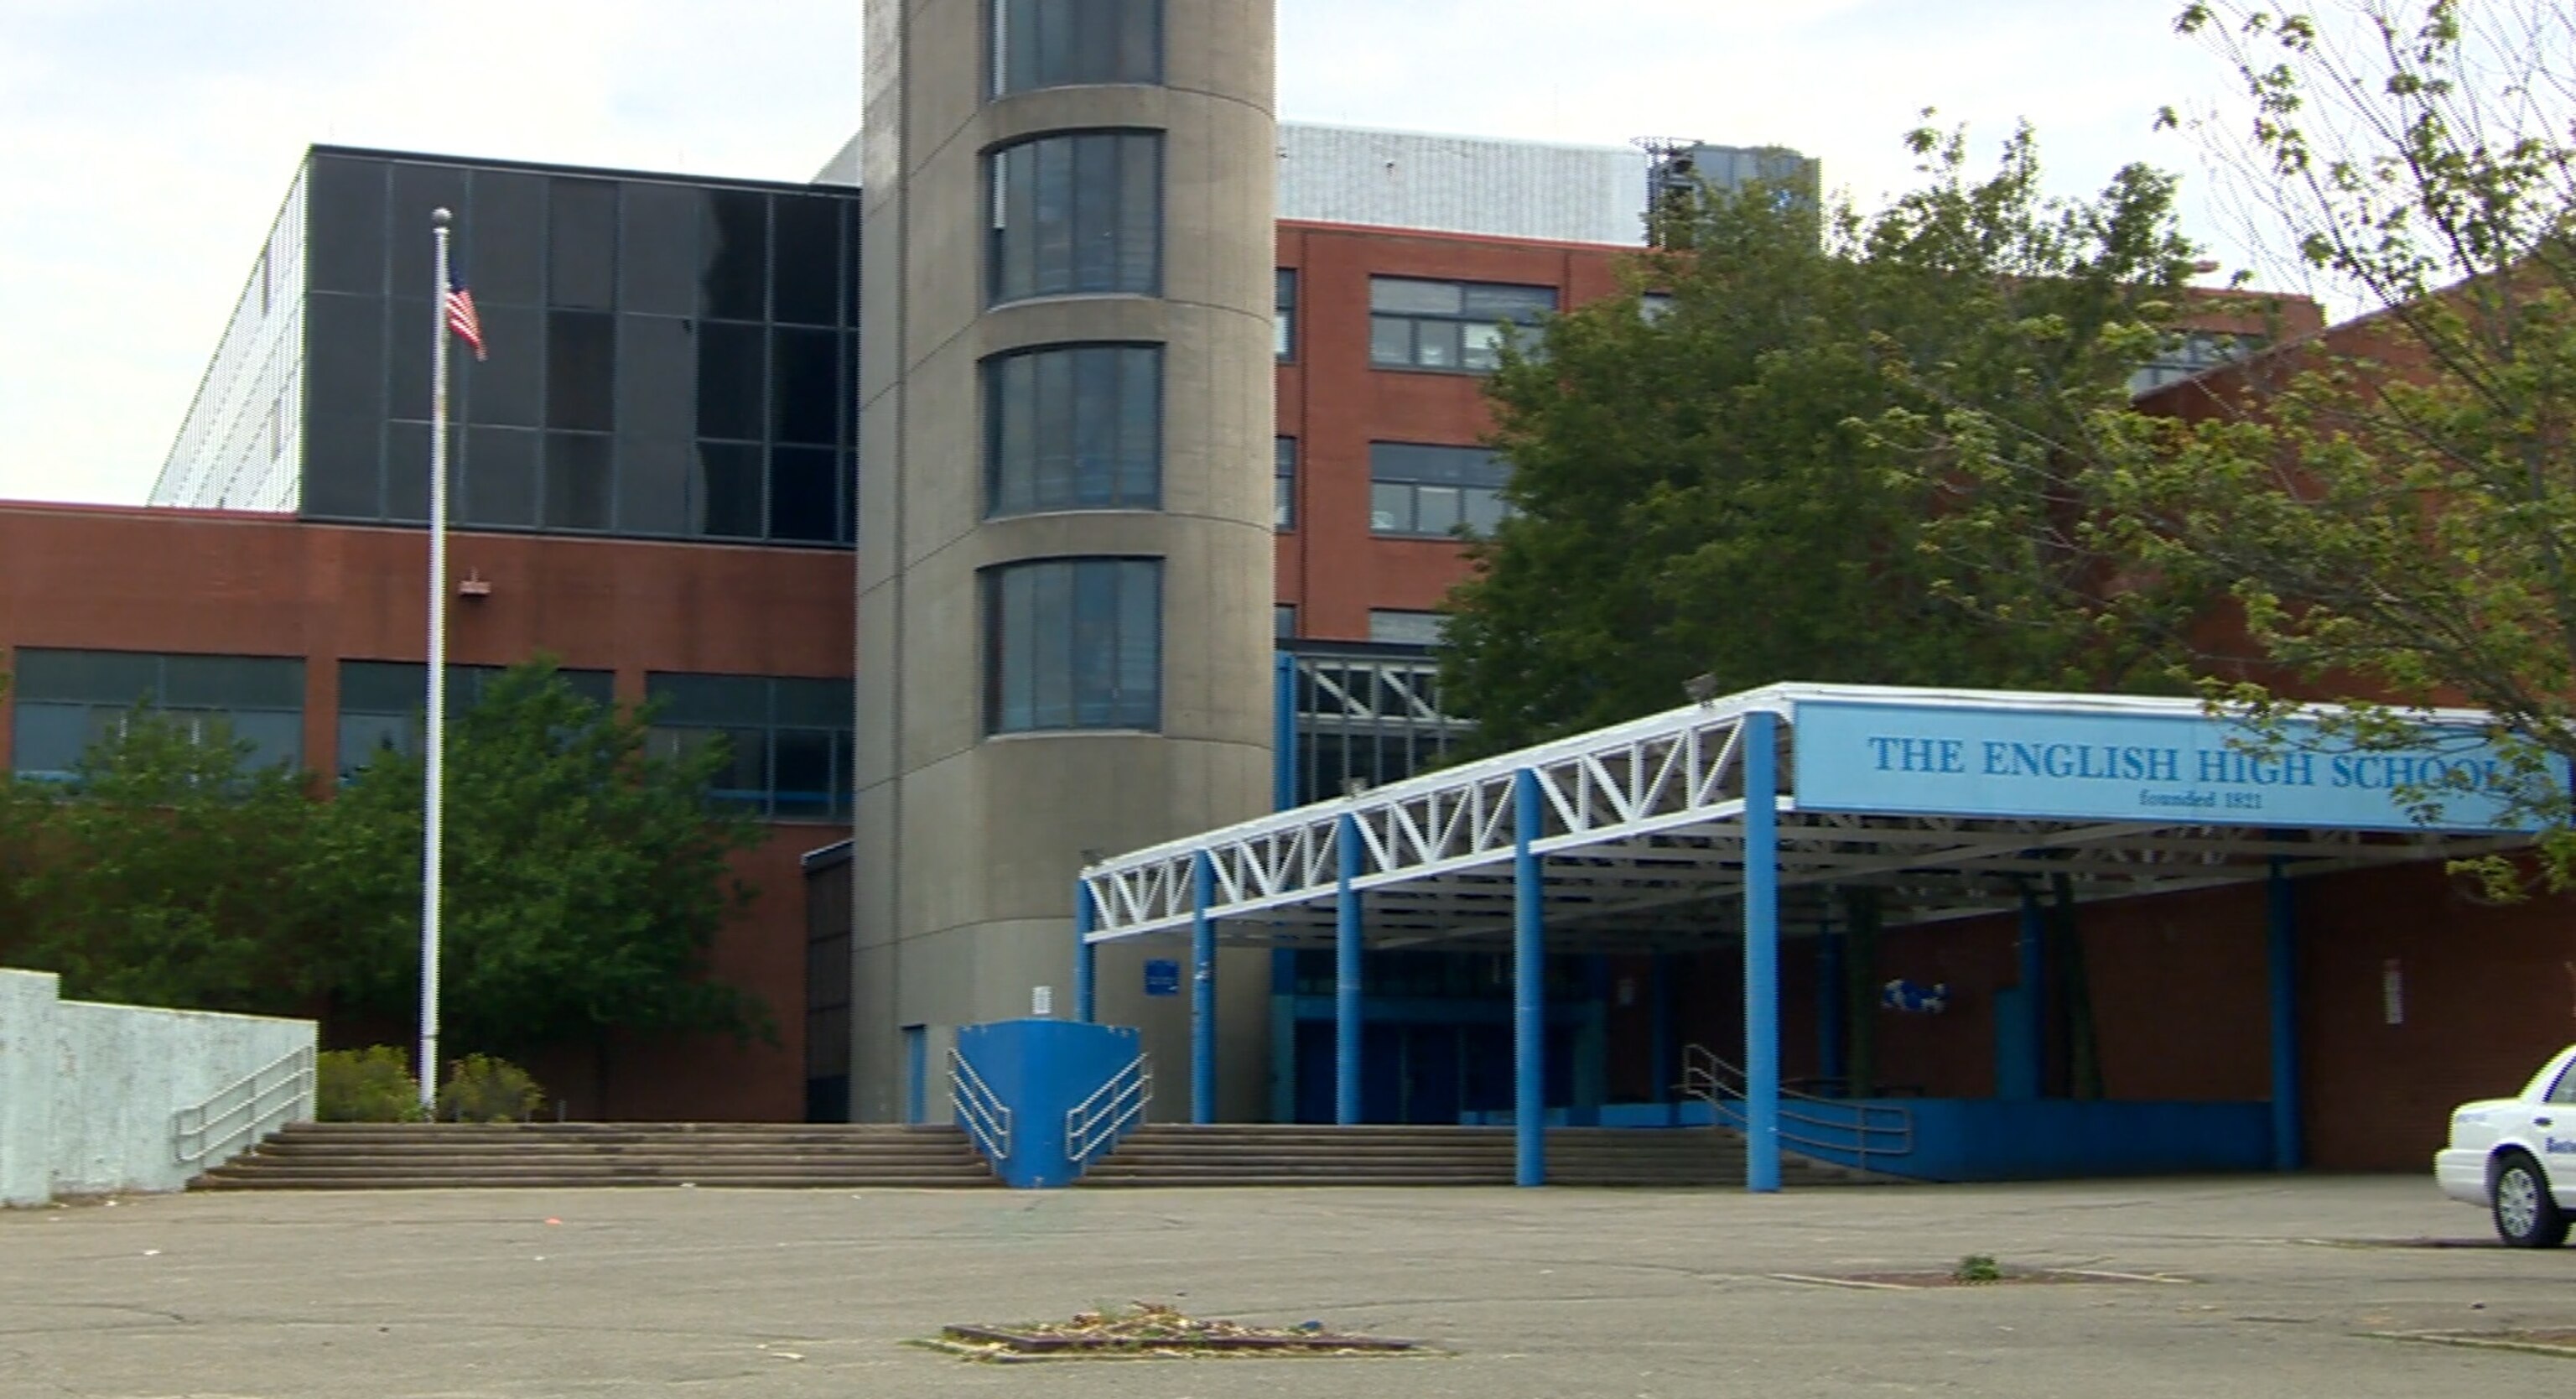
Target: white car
[(2517, 1157)]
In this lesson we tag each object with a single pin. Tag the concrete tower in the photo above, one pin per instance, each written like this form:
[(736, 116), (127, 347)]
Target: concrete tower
[(1065, 552)]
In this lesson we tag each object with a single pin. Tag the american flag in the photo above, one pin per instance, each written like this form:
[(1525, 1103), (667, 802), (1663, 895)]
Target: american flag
[(461, 317)]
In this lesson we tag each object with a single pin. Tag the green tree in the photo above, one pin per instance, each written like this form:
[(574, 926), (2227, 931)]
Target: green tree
[(2394, 505), (586, 878), (164, 872), (1737, 484)]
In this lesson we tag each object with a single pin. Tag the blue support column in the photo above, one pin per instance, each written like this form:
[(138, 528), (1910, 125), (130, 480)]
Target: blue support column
[(1761, 953), (1202, 991), (1346, 981), (1283, 733), (1529, 987), (1085, 917), (2283, 934)]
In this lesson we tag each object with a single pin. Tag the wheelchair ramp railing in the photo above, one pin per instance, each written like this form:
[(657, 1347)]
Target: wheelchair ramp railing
[(1095, 1124), (978, 1109), (1827, 1128), (236, 1118)]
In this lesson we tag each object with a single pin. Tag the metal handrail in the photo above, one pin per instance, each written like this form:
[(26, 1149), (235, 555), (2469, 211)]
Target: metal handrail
[(1096, 1123), (1721, 1085), (273, 1095), (981, 1111)]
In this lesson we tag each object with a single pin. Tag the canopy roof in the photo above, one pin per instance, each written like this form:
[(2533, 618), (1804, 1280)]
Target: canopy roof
[(1947, 803)]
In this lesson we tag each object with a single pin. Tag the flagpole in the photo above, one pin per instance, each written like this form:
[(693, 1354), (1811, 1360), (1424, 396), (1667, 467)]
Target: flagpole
[(434, 743)]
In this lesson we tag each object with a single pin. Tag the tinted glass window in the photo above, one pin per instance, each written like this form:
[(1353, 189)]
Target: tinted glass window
[(417, 189), (581, 244), (735, 255), (506, 252), (344, 369), (787, 740), (657, 265), (1057, 43), (804, 386), (341, 450), (657, 377), (807, 265), (1077, 428), (1073, 644), (407, 471), (344, 248), (581, 370), (381, 703), (577, 481), (1076, 214), (503, 389), (499, 472), (803, 485), (67, 700), (726, 495), (1417, 324), (1283, 316), (1283, 497), (653, 485), (1426, 490), (729, 380)]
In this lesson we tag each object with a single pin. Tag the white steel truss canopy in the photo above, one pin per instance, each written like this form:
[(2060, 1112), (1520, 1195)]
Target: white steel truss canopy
[(1946, 803)]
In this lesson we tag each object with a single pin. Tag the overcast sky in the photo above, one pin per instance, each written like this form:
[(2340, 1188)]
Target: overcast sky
[(145, 144)]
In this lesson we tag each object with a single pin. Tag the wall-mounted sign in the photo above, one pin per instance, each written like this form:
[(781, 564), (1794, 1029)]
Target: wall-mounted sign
[(1162, 977), (2169, 768)]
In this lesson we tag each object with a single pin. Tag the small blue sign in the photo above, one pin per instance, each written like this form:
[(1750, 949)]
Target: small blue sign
[(1162, 977), (2178, 769)]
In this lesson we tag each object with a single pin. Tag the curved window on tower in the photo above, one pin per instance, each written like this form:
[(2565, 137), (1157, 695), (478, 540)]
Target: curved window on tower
[(1060, 43), (1073, 644), (1075, 214), (1074, 427)]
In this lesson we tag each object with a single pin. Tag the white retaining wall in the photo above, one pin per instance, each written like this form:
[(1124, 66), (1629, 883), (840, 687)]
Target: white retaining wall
[(87, 1090)]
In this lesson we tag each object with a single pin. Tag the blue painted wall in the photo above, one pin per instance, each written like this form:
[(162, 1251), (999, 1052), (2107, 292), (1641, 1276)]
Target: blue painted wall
[(1042, 1068)]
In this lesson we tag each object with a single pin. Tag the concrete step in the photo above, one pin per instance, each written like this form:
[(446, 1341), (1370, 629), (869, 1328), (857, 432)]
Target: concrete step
[(1250, 1154), (317, 1156)]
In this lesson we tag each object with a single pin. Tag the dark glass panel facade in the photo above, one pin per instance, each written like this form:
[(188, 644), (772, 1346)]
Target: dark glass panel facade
[(735, 276), (1075, 214), (581, 244), (345, 225), (1074, 428), (1059, 43), (636, 382), (418, 189), (1073, 644)]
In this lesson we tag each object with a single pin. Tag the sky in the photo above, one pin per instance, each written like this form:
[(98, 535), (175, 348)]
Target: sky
[(145, 145)]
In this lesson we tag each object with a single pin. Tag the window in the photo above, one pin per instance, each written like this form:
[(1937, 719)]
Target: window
[(1283, 316), (2564, 1091), (1456, 326), (2189, 353), (1283, 493), (1058, 43), (382, 703), (1073, 644), (1283, 620), (1074, 428), (1653, 306), (1365, 718), (1395, 628), (787, 753), (1434, 491), (1076, 214), (67, 700)]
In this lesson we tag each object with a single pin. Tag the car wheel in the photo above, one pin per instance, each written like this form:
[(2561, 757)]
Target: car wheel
[(2525, 1215)]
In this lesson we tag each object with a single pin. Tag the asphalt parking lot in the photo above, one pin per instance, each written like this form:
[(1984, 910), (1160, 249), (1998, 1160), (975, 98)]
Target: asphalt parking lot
[(2295, 1287)]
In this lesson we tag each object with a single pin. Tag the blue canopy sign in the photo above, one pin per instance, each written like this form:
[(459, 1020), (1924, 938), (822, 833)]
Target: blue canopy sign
[(2182, 769)]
